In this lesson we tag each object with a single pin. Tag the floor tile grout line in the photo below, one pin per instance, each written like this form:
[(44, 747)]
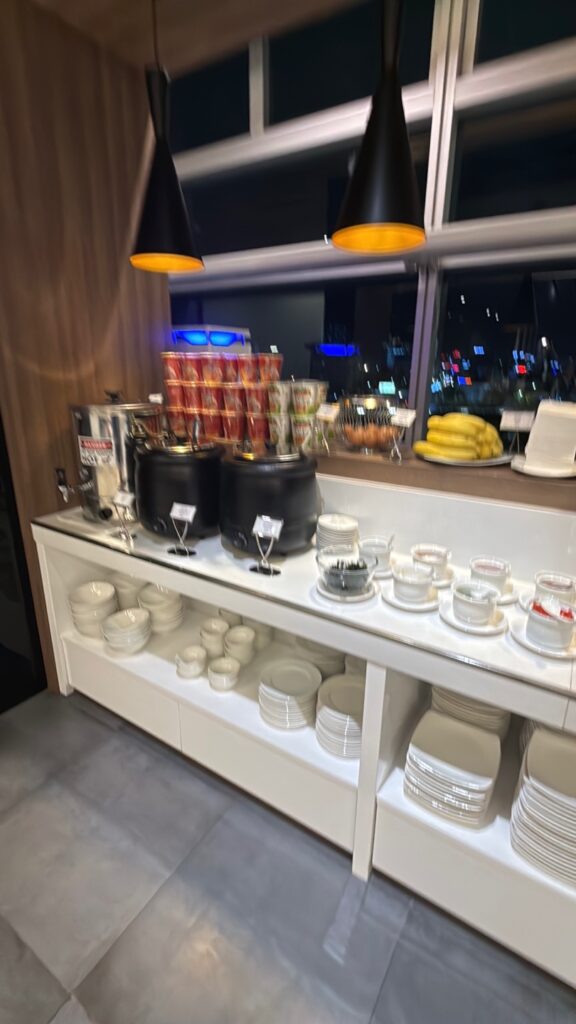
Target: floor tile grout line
[(389, 965)]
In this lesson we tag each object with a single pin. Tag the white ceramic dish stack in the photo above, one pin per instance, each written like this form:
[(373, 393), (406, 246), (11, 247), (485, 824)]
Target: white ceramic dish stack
[(90, 604), (334, 528), (339, 715), (287, 693), (543, 821), (165, 606), (451, 768), (475, 712), (329, 661), (126, 632), (127, 589)]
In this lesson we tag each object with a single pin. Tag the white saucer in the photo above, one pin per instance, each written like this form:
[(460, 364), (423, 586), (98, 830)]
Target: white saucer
[(558, 472), (329, 595), (430, 605), (499, 623), (510, 595), (518, 631)]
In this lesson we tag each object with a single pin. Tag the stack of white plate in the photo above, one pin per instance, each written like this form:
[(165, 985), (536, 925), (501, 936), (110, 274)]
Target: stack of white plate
[(287, 693), (339, 715), (127, 631), (354, 666), (165, 606), (527, 730), (475, 712), (90, 604), (329, 661), (451, 768), (543, 822), (334, 528)]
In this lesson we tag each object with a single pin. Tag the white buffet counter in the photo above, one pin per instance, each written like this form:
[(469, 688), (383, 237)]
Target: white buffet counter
[(358, 805)]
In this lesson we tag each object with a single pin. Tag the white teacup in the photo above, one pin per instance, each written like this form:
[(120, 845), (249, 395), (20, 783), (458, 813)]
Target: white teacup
[(191, 662), (474, 602), (412, 583), (495, 572), (553, 584), (434, 555), (379, 548)]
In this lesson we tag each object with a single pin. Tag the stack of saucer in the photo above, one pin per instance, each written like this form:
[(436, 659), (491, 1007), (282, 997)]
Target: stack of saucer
[(329, 661), (475, 712), (543, 821), (334, 528), (127, 631), (451, 768), (287, 693), (90, 604), (339, 715), (165, 606)]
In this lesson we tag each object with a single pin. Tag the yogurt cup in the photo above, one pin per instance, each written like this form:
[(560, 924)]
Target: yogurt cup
[(279, 396), (212, 423), (270, 366), (495, 572), (176, 420), (550, 624), (192, 395), (230, 368), (412, 583), (213, 367), (304, 397), (474, 602), (192, 367), (174, 392), (302, 430), (233, 425), (256, 398), (233, 396), (211, 396), (279, 426), (248, 368), (434, 555), (257, 427), (194, 424), (172, 365)]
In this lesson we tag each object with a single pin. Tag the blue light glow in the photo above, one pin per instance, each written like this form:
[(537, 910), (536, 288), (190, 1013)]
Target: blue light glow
[(192, 337), (335, 350), (223, 338), (478, 350)]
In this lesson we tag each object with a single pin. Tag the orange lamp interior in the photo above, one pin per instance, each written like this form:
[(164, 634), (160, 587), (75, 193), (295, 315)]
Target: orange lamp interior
[(379, 238), (166, 262)]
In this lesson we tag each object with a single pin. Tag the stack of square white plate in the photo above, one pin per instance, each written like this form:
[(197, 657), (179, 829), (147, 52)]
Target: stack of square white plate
[(334, 528), (543, 821), (287, 693), (451, 768), (475, 712), (165, 606), (339, 715)]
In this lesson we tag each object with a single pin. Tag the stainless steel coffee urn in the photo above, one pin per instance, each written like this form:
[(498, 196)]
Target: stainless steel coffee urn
[(105, 438)]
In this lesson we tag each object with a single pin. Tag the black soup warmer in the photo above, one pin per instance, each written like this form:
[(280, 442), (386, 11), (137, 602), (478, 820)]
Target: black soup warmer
[(280, 486), (185, 473)]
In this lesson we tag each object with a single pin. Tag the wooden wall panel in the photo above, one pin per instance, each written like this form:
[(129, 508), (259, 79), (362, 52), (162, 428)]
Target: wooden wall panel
[(75, 317)]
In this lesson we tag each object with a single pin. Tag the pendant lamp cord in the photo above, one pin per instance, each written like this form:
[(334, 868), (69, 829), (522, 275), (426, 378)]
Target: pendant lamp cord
[(155, 32)]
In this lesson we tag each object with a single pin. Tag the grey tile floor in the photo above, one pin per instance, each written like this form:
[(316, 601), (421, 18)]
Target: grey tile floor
[(137, 889)]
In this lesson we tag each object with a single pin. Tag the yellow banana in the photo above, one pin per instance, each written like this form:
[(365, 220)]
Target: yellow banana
[(443, 438), (445, 451)]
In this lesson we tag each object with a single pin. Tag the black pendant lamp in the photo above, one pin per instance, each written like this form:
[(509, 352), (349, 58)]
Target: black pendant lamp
[(165, 243), (381, 212)]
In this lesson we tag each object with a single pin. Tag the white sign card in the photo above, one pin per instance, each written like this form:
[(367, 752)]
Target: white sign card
[(265, 526), (517, 422), (123, 499), (184, 513), (403, 417)]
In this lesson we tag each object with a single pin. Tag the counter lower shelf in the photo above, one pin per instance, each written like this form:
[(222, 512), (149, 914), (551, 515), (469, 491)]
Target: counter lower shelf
[(222, 731), (476, 875)]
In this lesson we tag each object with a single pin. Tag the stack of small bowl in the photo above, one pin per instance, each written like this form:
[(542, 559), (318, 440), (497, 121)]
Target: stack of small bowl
[(90, 604), (165, 607), (127, 631)]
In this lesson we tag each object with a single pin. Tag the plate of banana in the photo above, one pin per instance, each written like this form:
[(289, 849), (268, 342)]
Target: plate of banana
[(458, 439)]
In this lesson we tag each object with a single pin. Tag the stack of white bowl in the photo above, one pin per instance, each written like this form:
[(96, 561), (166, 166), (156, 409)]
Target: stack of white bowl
[(264, 633), (339, 715), (334, 528), (240, 644), (127, 631), (165, 606), (543, 822), (451, 768), (475, 712), (90, 604), (287, 693), (329, 661), (127, 588)]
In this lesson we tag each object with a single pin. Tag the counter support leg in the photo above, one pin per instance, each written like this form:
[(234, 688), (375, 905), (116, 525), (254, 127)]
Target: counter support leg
[(372, 724), (50, 597)]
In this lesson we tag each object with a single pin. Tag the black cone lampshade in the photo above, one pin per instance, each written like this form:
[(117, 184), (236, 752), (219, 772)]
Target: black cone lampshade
[(381, 212), (165, 243)]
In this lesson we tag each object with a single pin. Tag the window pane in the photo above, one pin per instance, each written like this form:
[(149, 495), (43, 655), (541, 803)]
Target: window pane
[(210, 104), (374, 317), (337, 60), (505, 338), (516, 161), (295, 200), (515, 25)]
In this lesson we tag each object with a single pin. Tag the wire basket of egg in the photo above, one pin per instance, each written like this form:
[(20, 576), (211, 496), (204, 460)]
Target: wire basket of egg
[(365, 424)]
